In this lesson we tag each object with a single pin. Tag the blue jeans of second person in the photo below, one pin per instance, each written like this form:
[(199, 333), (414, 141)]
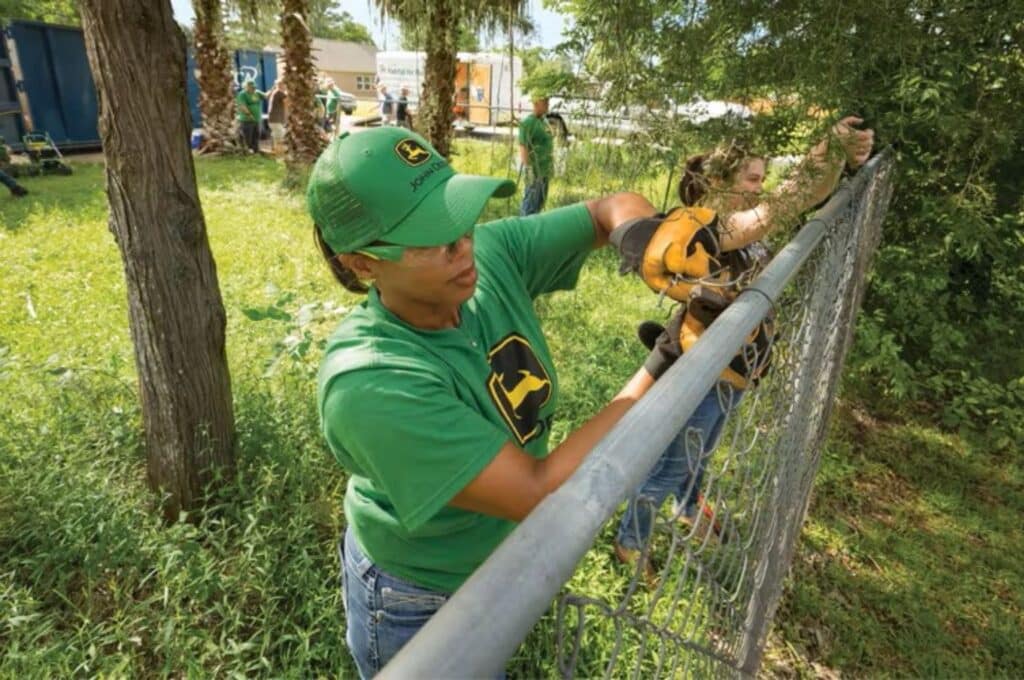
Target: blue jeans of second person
[(534, 195), (680, 469), (382, 612), (7, 180)]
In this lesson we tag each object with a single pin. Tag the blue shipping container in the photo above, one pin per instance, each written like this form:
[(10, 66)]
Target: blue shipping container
[(11, 127), (49, 67), (55, 80), (245, 64)]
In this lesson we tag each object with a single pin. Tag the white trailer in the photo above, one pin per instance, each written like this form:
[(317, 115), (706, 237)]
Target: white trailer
[(486, 83)]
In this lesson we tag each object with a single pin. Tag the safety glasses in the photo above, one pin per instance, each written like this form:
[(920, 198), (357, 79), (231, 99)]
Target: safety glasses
[(393, 252)]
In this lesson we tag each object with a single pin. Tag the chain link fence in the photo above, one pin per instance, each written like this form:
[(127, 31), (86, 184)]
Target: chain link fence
[(719, 576), (704, 588)]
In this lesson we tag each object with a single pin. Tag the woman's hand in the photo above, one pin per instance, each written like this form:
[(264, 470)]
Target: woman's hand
[(856, 143)]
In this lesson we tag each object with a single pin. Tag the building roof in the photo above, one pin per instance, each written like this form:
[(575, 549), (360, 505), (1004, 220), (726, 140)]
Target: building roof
[(337, 55)]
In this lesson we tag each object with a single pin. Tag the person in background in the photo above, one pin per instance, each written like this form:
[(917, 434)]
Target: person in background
[(8, 181), (562, 139), (728, 180), (460, 109), (277, 113), (333, 99), (250, 114), (387, 105), (402, 116), (16, 189), (535, 156)]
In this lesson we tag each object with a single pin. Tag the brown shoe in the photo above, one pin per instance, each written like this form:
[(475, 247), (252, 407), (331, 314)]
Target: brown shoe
[(629, 556), (706, 521)]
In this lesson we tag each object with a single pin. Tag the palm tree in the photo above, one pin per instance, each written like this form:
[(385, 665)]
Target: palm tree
[(443, 19), (304, 140), (213, 62)]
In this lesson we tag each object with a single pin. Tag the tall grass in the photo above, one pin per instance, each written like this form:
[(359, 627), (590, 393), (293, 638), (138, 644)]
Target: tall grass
[(908, 566)]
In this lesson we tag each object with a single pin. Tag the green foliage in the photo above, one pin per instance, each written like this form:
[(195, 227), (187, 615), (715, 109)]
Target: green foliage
[(91, 582), (939, 81), (549, 78), (254, 24), (910, 530), (908, 569), (327, 21), (415, 34), (51, 11)]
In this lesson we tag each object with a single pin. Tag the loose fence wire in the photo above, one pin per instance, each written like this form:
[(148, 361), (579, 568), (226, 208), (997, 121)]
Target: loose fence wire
[(719, 577)]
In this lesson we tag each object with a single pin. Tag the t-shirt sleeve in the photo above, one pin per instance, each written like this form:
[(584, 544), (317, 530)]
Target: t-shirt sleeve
[(409, 434), (524, 134), (547, 249)]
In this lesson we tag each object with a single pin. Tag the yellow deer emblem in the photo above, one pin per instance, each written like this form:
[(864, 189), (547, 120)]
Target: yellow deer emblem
[(412, 152), (517, 395)]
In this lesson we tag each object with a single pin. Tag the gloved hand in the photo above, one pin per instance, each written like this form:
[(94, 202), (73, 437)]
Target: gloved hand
[(667, 343), (663, 341), (747, 367), (671, 252)]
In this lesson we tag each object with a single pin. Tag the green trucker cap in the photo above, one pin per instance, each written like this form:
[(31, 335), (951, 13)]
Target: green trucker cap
[(388, 184)]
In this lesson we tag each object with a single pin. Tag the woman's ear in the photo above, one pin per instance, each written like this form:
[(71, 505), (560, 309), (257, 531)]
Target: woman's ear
[(363, 266)]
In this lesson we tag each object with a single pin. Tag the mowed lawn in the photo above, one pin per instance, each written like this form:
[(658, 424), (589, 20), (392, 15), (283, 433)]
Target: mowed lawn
[(909, 564)]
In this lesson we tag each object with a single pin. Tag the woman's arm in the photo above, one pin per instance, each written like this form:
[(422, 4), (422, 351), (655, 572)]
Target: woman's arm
[(811, 183), (612, 211), (515, 482)]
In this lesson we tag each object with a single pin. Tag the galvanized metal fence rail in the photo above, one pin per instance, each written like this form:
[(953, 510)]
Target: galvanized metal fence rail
[(710, 607)]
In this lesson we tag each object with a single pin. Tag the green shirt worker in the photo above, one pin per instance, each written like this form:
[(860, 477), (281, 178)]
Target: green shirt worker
[(250, 114), (438, 392), (535, 156), (333, 99)]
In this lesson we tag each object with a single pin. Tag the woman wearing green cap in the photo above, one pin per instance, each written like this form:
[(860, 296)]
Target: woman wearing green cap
[(438, 392)]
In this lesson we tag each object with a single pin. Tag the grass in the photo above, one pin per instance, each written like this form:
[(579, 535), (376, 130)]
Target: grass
[(908, 564)]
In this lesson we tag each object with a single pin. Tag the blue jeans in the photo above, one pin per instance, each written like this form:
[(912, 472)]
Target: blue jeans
[(7, 180), (382, 612), (680, 469), (534, 195)]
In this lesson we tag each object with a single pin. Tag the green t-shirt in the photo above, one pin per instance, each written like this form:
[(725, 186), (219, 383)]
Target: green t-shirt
[(536, 137), (333, 97), (248, 105), (414, 415)]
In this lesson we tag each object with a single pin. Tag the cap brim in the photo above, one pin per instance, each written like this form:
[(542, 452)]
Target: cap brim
[(448, 211)]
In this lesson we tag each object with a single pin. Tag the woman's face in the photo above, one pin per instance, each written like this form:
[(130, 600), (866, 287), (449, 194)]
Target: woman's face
[(748, 183), (438, 276)]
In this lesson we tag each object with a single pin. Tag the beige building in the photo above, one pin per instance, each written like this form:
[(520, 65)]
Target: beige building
[(352, 66)]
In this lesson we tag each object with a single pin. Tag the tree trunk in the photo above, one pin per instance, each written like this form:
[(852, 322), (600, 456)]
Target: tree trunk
[(137, 56), (304, 138), (215, 76), (439, 75)]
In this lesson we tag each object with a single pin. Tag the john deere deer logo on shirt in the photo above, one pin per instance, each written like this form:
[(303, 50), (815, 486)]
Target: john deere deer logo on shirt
[(519, 386), (412, 152)]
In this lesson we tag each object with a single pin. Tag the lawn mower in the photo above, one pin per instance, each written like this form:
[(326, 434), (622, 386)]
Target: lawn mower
[(44, 154)]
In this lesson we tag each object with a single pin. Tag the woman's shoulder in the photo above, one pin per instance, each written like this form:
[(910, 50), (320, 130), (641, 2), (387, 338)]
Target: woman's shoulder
[(369, 340)]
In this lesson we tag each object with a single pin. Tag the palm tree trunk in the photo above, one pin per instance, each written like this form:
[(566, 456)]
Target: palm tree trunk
[(213, 62), (442, 60), (304, 139)]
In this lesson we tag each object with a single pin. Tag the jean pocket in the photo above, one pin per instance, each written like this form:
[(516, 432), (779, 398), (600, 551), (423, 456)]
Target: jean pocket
[(406, 603)]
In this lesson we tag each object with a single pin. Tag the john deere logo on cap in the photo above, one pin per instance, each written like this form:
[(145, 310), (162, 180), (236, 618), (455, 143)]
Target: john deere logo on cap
[(412, 152)]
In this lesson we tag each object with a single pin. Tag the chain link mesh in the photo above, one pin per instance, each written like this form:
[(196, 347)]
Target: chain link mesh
[(703, 590)]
